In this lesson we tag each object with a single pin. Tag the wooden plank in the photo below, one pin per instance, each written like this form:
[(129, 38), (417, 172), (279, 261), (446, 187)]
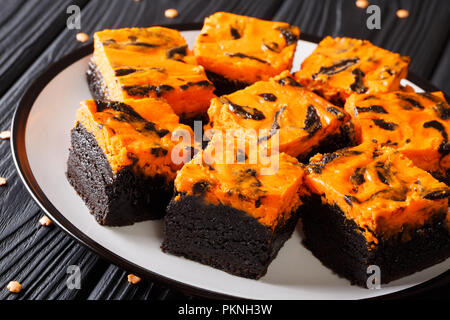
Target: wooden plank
[(36, 256), (422, 36), (26, 29)]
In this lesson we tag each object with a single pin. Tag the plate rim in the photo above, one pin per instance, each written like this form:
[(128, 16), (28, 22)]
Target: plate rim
[(18, 150)]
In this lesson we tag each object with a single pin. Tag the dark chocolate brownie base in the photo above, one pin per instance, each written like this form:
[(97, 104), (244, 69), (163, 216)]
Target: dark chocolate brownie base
[(335, 241), (224, 85), (222, 237), (95, 82), (114, 199)]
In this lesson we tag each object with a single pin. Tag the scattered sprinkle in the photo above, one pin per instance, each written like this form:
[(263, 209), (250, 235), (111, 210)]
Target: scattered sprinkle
[(171, 13), (4, 135), (133, 279), (402, 13), (82, 37), (2, 181), (362, 3), (14, 287), (45, 221)]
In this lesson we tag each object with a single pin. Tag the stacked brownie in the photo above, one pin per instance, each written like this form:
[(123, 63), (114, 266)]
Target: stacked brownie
[(304, 122), (340, 144), (371, 205), (230, 215), (145, 81)]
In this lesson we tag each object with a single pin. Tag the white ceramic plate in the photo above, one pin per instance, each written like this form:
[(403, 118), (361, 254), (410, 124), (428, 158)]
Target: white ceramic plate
[(41, 139)]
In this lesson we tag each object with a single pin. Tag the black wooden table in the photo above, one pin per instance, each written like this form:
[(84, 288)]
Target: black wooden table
[(33, 34)]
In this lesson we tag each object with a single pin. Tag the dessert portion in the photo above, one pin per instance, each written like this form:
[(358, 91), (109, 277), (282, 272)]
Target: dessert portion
[(235, 203), (233, 216), (370, 205), (237, 51), (120, 160), (339, 67), (417, 124), (305, 123), (135, 63)]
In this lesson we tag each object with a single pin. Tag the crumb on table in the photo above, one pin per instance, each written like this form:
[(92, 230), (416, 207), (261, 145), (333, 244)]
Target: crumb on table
[(402, 13), (14, 287), (133, 279), (171, 13), (4, 135)]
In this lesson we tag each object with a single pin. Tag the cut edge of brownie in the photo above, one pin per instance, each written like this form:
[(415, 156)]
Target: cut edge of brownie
[(445, 178), (224, 85), (344, 138), (222, 237), (95, 81), (114, 199), (340, 246)]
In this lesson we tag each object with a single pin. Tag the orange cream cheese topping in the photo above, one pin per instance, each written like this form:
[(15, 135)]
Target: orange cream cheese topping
[(379, 189), (132, 134), (151, 62), (267, 189), (339, 67), (417, 124), (245, 49), (300, 118)]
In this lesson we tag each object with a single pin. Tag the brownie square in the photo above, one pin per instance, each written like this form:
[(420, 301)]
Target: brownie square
[(416, 124), (339, 67), (120, 159), (369, 205), (233, 216), (237, 51)]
